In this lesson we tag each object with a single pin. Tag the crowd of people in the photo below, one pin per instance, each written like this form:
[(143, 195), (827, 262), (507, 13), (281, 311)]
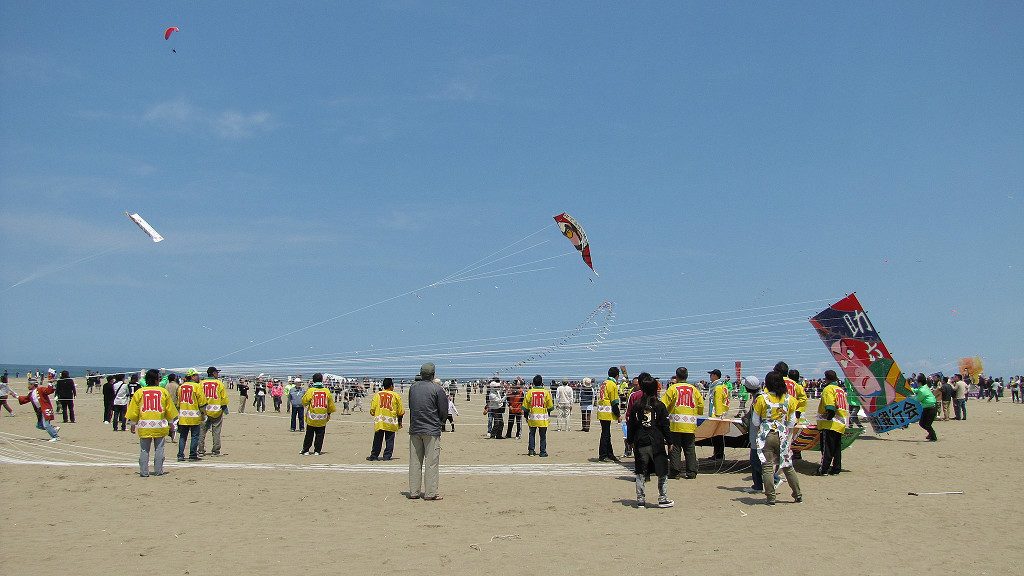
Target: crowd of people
[(658, 420)]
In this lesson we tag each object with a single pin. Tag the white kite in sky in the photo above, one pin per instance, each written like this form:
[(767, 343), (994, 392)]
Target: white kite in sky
[(141, 222)]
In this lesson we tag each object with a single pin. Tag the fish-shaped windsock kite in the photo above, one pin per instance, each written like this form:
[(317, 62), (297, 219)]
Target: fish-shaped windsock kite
[(574, 232), (141, 223)]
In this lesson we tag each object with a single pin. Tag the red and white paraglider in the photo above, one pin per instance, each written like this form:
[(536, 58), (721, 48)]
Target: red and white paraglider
[(169, 31)]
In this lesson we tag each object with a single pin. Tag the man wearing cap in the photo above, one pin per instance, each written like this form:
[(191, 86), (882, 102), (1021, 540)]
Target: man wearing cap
[(387, 411), (718, 407), (190, 401), (150, 411), (428, 407), (216, 408), (832, 413)]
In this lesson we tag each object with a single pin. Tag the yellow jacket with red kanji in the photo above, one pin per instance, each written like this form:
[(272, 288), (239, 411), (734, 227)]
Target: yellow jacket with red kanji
[(319, 404), (216, 397), (151, 411), (386, 408), (537, 405), (191, 402)]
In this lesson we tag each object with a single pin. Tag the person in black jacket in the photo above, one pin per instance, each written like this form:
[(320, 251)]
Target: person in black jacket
[(108, 398), (66, 392), (648, 433)]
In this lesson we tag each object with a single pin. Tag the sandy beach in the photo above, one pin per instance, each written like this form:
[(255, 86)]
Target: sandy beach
[(79, 507)]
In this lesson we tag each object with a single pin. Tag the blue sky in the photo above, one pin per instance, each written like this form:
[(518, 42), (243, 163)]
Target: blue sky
[(306, 160)]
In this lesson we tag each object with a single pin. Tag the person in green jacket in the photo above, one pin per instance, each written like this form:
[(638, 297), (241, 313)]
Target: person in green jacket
[(927, 399), (854, 402)]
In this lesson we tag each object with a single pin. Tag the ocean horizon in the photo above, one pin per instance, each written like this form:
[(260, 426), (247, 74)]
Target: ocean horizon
[(19, 370)]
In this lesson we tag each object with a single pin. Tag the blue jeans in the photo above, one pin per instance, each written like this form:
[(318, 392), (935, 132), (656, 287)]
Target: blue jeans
[(185, 433), (543, 438), (755, 469), (298, 412), (49, 428)]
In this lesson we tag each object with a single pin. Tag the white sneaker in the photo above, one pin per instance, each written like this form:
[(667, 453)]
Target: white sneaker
[(303, 453), (106, 421), (316, 454), (53, 440)]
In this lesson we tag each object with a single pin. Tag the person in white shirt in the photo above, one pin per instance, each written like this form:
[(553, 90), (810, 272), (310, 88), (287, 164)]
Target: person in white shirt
[(563, 402), (120, 403)]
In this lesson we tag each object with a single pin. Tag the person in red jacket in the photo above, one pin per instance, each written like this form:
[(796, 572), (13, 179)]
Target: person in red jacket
[(39, 396)]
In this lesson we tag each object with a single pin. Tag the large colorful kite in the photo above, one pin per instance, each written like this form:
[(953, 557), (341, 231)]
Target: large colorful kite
[(884, 393), (574, 232)]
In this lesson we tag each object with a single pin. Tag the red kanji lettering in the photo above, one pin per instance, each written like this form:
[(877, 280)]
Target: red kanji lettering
[(210, 389), (685, 396), (537, 399), (151, 401), (185, 395), (319, 400), (385, 401), (841, 402)]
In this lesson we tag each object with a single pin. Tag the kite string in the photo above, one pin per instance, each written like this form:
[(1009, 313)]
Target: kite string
[(46, 272), (368, 306), (702, 331), (471, 264)]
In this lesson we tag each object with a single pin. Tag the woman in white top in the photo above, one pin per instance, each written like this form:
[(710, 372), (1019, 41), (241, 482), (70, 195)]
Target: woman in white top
[(120, 404)]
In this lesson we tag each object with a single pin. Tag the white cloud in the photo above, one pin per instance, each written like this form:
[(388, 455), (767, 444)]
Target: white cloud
[(229, 124), (232, 124)]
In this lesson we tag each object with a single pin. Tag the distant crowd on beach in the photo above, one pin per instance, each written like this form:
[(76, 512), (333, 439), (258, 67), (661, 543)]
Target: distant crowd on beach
[(658, 420)]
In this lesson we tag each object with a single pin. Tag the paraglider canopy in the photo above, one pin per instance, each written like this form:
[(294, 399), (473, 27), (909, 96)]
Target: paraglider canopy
[(169, 31)]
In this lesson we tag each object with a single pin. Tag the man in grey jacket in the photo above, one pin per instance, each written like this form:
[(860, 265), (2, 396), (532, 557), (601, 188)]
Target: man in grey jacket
[(428, 410)]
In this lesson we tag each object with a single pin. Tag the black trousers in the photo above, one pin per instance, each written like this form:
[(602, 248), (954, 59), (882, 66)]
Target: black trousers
[(682, 443), (831, 452), (118, 415), (108, 409), (381, 437), (516, 419), (927, 417), (67, 405), (718, 443), (604, 449), (315, 438), (497, 423)]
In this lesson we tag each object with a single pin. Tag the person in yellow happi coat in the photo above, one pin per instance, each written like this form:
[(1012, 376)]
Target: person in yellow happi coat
[(387, 411), (190, 404), (684, 403), (833, 410), (150, 411), (215, 410), (537, 405), (319, 404)]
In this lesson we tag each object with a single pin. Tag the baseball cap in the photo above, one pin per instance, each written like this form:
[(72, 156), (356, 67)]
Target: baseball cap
[(715, 372)]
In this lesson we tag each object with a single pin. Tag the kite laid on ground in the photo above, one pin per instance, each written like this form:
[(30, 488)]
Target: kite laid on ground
[(169, 31), (574, 232), (141, 222)]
